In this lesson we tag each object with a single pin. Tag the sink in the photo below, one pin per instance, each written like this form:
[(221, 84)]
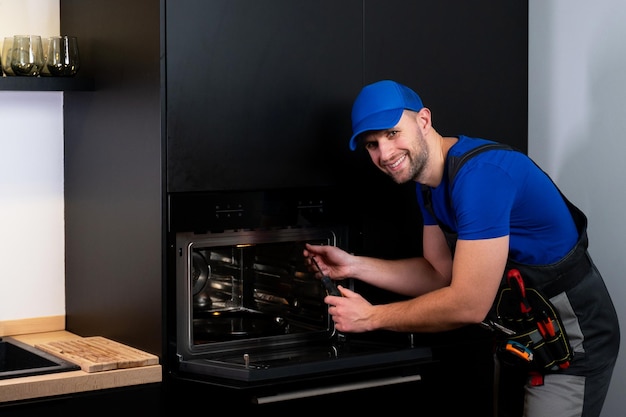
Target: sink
[(18, 359)]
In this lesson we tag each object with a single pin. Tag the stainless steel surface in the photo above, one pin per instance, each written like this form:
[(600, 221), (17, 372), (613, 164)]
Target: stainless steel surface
[(333, 389)]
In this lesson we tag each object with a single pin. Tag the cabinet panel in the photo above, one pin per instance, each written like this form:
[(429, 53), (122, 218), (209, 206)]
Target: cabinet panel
[(467, 60), (259, 93), (113, 174)]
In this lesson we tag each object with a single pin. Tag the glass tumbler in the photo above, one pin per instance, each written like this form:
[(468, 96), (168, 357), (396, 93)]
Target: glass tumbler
[(62, 56), (7, 48), (44, 70), (27, 55)]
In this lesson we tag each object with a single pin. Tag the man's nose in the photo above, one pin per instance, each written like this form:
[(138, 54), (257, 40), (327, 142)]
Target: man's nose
[(385, 148)]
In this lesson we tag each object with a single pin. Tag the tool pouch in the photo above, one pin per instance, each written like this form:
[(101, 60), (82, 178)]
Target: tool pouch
[(541, 331)]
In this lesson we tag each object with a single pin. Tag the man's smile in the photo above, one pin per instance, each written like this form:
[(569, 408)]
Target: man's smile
[(394, 166)]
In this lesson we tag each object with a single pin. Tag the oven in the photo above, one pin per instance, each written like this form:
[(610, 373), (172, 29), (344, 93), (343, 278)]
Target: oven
[(250, 316)]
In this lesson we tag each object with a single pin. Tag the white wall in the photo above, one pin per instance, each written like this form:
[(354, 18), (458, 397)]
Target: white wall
[(577, 121), (32, 268)]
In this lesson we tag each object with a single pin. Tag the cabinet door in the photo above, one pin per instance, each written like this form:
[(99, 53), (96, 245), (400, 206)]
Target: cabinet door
[(468, 60), (259, 93)]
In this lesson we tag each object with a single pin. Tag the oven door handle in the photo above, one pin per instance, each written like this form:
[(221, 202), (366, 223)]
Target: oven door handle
[(333, 389)]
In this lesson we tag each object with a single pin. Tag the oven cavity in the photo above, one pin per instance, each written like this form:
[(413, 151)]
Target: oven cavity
[(253, 290), (238, 287)]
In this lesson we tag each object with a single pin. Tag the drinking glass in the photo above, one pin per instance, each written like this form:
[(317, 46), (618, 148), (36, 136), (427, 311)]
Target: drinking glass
[(62, 56), (44, 69), (7, 47), (27, 55)]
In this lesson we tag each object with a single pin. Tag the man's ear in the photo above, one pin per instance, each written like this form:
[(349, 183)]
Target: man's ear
[(423, 118)]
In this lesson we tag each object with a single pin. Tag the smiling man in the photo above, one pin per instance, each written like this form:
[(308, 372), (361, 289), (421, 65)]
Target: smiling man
[(501, 247)]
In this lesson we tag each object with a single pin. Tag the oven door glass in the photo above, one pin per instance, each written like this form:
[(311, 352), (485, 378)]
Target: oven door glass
[(240, 288)]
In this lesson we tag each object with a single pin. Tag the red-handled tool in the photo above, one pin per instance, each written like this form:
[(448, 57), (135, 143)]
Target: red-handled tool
[(516, 283), (544, 323), (548, 329), (546, 326)]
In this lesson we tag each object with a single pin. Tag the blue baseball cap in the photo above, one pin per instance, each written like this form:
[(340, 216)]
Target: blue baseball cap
[(379, 106)]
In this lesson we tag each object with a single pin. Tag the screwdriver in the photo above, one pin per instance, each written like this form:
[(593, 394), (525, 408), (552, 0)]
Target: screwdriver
[(330, 286)]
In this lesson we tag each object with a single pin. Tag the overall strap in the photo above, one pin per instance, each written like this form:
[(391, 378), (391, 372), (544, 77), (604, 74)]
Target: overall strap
[(454, 163)]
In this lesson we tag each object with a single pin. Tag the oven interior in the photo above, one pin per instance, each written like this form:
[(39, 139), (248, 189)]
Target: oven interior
[(247, 285)]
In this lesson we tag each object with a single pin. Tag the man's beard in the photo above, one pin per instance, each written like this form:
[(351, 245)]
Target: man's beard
[(417, 165)]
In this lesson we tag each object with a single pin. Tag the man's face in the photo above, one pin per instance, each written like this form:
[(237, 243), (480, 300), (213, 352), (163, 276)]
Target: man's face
[(401, 151)]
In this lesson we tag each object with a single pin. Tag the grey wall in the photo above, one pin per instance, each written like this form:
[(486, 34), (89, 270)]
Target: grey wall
[(577, 119)]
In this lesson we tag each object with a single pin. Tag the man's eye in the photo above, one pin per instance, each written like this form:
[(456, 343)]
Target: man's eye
[(392, 133), (371, 145)]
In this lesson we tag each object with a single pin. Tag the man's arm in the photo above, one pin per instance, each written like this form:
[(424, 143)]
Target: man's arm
[(476, 274)]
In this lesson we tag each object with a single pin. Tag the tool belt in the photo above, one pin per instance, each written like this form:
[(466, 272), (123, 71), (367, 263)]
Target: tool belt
[(531, 333)]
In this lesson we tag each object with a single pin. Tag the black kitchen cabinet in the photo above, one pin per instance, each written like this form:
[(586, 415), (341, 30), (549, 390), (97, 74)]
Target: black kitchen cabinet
[(260, 85), (113, 168), (163, 120), (468, 61), (141, 400)]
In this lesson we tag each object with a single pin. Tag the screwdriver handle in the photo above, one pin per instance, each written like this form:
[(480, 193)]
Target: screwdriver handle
[(330, 286)]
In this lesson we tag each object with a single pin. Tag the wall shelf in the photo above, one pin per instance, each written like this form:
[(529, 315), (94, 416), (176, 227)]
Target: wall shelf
[(15, 83)]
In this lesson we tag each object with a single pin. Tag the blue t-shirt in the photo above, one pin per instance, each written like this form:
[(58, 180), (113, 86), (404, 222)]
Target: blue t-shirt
[(502, 192)]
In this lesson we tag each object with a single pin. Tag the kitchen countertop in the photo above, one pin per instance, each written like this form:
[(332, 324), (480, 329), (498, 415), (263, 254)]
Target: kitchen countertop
[(71, 382)]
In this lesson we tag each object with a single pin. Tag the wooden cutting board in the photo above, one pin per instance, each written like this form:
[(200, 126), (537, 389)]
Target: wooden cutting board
[(95, 354)]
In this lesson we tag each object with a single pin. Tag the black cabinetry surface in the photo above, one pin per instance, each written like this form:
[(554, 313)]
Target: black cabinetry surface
[(144, 400), (113, 174), (158, 110), (257, 92)]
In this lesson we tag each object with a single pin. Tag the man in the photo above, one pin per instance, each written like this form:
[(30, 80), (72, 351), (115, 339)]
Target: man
[(501, 246)]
